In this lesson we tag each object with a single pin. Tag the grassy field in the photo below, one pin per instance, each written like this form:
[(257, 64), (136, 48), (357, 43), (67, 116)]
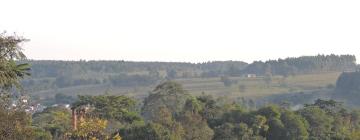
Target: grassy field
[(257, 87), (245, 87)]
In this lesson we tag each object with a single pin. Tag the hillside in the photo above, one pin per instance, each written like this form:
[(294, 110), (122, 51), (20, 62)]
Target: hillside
[(244, 87), (251, 86), (218, 78)]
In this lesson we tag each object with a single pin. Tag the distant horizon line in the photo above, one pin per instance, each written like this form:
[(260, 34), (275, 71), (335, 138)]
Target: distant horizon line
[(87, 60), (159, 61)]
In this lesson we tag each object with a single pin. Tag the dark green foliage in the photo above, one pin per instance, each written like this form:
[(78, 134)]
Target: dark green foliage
[(277, 129), (170, 95), (229, 131), (170, 106), (151, 131), (270, 112), (329, 106), (41, 134), (306, 64), (296, 126), (234, 116), (329, 120), (119, 108), (320, 122), (163, 128), (225, 132), (195, 126), (218, 68), (15, 125), (54, 120), (211, 111)]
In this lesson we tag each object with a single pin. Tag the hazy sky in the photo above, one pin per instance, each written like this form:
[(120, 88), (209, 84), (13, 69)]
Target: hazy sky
[(183, 30)]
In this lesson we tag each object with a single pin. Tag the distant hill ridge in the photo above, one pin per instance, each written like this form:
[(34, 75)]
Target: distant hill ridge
[(304, 65), (288, 66), (50, 74), (50, 77)]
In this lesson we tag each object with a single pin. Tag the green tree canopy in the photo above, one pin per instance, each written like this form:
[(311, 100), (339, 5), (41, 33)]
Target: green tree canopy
[(120, 108), (55, 120), (168, 94)]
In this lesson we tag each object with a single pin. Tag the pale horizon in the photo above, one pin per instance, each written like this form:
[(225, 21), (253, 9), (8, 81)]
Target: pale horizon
[(183, 31)]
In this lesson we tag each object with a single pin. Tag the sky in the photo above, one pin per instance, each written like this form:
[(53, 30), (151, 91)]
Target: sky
[(183, 30)]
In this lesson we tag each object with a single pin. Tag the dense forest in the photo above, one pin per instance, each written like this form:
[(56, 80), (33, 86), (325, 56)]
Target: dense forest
[(303, 65)]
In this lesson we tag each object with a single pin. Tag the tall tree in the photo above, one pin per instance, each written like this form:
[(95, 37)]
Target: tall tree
[(110, 107), (195, 126), (55, 120), (15, 122), (168, 94), (296, 126), (10, 71), (320, 122)]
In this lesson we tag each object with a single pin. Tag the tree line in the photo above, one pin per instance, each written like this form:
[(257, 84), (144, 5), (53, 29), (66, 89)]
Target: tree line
[(304, 65), (60, 74)]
